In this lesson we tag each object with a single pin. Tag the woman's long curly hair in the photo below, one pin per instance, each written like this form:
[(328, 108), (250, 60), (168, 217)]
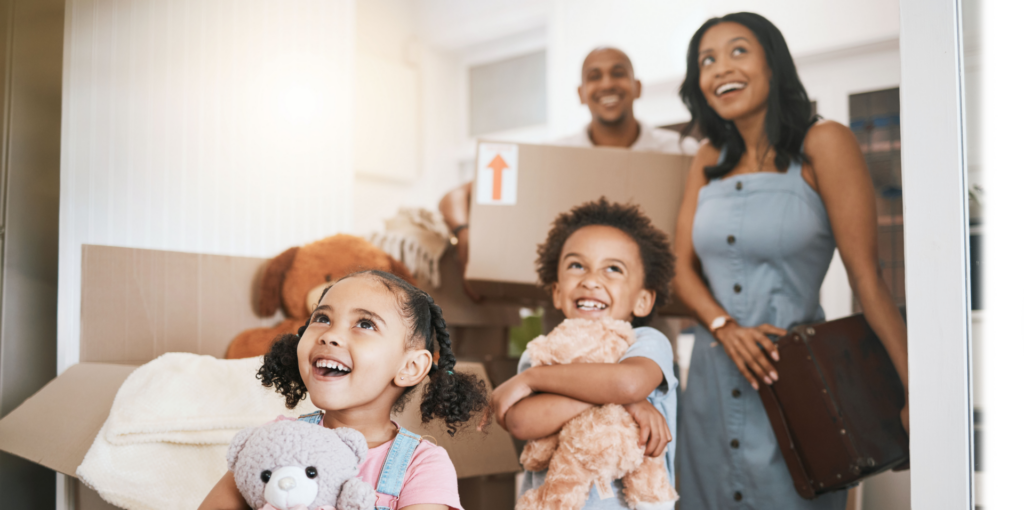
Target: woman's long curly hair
[(789, 115), (449, 395)]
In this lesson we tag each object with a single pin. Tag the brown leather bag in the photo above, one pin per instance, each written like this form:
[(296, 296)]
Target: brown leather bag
[(835, 409)]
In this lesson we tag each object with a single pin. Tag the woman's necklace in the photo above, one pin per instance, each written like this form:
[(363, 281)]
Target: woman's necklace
[(761, 160)]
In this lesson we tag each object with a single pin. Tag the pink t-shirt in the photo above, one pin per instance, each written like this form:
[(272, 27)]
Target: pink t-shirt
[(429, 480)]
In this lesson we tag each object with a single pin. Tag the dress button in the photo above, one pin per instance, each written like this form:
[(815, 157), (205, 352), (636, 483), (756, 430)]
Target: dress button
[(739, 186), (736, 393), (737, 288), (738, 496), (735, 443), (731, 239)]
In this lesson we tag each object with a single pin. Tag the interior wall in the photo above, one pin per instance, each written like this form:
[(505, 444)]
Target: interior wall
[(387, 30), (217, 127), (31, 46)]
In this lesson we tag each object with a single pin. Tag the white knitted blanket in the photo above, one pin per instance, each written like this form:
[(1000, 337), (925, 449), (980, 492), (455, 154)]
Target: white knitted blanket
[(163, 445)]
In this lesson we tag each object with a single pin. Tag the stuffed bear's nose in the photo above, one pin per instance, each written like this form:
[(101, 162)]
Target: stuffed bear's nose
[(287, 483)]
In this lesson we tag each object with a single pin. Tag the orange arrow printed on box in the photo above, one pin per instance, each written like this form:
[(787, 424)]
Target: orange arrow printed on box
[(497, 165)]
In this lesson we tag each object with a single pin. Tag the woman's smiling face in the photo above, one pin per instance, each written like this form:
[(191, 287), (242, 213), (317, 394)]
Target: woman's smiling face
[(354, 346), (734, 73), (601, 274)]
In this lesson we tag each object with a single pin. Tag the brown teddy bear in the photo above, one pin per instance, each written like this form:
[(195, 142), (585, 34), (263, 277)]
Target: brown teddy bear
[(295, 279), (599, 445)]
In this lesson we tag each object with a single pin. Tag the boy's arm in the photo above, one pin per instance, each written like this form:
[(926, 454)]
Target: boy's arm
[(541, 415), (626, 382)]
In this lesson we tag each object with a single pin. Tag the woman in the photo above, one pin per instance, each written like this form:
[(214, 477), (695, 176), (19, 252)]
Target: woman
[(769, 198)]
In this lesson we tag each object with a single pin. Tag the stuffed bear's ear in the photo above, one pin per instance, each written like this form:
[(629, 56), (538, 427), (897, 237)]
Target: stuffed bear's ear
[(236, 445), (354, 440), (273, 279)]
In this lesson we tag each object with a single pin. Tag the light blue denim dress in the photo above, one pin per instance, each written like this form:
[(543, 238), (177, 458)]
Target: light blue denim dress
[(764, 243)]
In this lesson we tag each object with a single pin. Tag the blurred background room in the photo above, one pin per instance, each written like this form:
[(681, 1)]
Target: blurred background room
[(246, 128)]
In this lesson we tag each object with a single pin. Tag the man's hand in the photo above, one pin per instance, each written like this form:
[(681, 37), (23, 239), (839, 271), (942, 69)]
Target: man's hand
[(654, 432), (504, 397)]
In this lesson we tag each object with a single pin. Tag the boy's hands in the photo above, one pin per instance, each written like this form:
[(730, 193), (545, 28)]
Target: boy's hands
[(654, 432), (504, 397)]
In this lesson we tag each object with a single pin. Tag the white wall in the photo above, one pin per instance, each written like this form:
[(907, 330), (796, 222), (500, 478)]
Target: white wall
[(386, 30), (217, 127)]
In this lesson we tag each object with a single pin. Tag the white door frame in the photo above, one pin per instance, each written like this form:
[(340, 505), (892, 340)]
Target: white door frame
[(937, 277)]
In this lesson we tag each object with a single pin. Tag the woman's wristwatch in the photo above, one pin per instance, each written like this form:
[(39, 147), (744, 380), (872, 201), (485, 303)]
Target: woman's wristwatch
[(719, 323)]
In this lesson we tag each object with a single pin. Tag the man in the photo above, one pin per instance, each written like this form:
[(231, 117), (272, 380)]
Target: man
[(608, 88)]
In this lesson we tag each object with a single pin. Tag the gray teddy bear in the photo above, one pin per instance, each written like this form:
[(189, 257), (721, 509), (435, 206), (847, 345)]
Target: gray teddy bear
[(285, 465)]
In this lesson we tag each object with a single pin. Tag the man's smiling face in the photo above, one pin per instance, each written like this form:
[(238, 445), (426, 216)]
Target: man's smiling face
[(608, 87)]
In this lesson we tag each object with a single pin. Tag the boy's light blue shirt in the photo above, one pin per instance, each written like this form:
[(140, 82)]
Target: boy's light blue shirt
[(651, 344)]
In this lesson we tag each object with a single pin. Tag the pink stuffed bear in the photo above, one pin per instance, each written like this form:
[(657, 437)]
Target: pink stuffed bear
[(600, 444)]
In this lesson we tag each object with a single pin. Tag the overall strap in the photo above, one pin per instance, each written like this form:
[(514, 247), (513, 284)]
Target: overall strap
[(315, 417), (392, 474)]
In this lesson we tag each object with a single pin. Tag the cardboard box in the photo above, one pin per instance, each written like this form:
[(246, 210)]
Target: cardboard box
[(511, 214), (138, 304)]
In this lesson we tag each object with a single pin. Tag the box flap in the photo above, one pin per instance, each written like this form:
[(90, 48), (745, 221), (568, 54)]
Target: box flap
[(138, 304), (56, 426), (473, 453)]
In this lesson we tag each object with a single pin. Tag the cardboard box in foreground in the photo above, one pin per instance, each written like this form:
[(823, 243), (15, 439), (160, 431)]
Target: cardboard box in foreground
[(521, 188), (138, 304)]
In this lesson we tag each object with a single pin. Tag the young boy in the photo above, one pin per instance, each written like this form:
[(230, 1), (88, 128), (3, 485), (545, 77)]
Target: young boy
[(601, 260)]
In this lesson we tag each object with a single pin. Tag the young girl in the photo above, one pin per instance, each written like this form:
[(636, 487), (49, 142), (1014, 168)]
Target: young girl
[(365, 347)]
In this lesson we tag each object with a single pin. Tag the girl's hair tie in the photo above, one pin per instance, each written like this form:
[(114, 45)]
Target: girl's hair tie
[(451, 373)]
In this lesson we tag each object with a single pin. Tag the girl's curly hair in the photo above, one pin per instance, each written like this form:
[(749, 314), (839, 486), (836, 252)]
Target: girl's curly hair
[(658, 260), (449, 395)]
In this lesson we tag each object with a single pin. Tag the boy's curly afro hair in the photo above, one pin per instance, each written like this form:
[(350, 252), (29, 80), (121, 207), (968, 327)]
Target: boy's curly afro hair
[(655, 252)]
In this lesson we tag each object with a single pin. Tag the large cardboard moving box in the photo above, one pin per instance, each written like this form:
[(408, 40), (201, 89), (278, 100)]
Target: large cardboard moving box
[(138, 304), (521, 188)]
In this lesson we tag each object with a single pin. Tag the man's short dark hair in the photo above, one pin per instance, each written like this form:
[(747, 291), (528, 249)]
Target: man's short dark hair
[(655, 252)]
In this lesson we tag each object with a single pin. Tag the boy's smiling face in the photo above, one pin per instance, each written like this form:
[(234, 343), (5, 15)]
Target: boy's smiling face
[(601, 274)]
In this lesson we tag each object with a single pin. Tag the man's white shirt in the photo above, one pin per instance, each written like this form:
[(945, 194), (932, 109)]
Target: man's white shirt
[(651, 139)]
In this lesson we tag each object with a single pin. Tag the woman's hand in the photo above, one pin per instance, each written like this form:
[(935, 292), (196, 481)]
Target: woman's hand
[(747, 348), (504, 397), (654, 432)]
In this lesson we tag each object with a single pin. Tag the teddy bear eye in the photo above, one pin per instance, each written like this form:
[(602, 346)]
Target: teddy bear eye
[(311, 472), (265, 475)]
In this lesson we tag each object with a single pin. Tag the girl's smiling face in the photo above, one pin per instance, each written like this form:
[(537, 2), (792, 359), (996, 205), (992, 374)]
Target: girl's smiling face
[(355, 349), (734, 73), (601, 274)]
